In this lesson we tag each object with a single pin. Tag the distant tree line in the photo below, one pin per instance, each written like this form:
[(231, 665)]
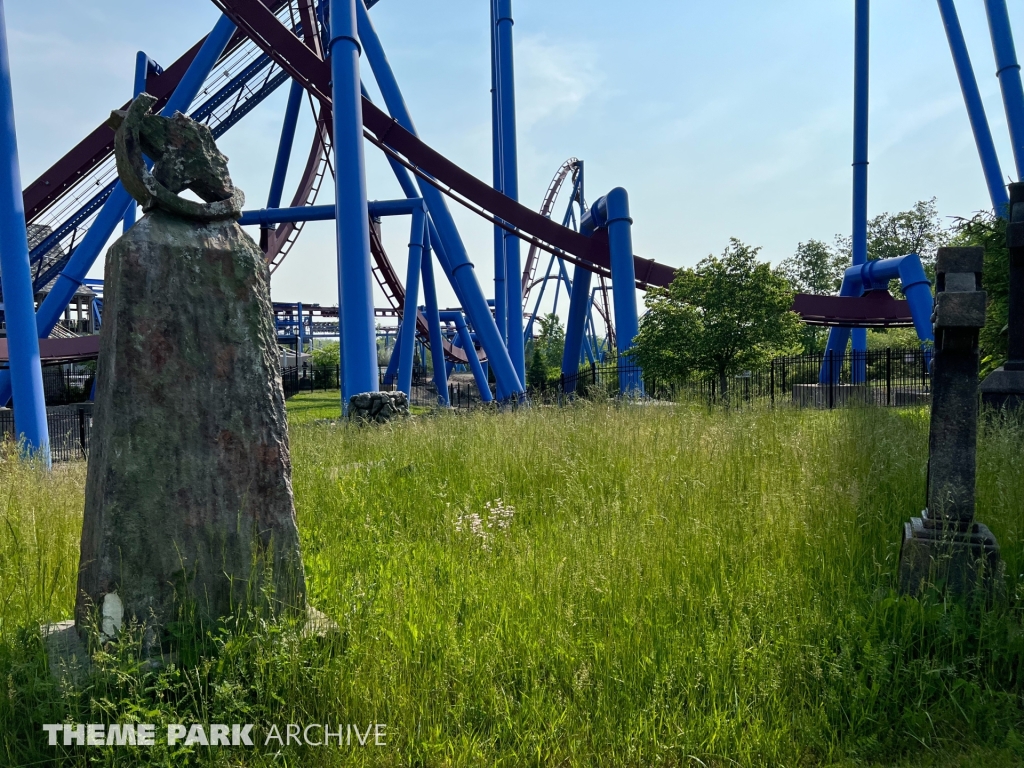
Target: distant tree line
[(730, 313)]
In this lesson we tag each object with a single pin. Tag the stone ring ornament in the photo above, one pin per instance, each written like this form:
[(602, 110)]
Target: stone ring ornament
[(185, 156)]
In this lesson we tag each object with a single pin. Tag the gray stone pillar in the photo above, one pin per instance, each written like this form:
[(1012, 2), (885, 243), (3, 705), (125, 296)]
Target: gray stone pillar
[(945, 547), (1004, 387)]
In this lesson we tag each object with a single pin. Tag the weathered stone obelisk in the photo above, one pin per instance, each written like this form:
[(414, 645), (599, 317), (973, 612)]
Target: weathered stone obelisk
[(189, 494), (946, 547)]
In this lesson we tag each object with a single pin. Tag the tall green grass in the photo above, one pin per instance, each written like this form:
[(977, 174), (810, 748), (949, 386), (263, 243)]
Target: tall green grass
[(594, 585)]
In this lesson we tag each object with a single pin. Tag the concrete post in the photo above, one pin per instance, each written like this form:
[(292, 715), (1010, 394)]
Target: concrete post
[(945, 547)]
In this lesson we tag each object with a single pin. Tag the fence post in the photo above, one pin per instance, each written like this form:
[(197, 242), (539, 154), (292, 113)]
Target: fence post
[(831, 381), (771, 378), (888, 375), (81, 432)]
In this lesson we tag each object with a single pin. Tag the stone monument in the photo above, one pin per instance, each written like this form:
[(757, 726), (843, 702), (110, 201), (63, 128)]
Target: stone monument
[(1004, 387), (189, 495), (945, 547)]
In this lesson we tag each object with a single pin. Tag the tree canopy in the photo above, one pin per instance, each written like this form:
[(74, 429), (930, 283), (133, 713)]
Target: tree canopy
[(727, 314), (989, 232)]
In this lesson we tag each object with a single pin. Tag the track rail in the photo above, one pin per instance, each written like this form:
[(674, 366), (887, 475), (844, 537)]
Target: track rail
[(546, 207)]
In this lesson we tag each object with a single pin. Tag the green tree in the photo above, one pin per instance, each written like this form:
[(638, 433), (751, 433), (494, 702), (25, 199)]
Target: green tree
[(551, 342), (537, 373), (816, 268), (327, 356), (989, 232), (725, 315)]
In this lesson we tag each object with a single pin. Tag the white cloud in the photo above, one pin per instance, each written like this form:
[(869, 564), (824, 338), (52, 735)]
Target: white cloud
[(552, 79)]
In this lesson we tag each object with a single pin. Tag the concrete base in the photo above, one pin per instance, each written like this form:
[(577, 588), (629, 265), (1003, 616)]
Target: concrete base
[(953, 561), (66, 654), (68, 658), (1003, 389)]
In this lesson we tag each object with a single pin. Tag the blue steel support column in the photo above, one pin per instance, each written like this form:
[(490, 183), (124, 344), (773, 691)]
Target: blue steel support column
[(405, 181), (284, 147), (875, 275), (407, 341), (391, 372), (500, 297), (16, 278), (620, 246), (142, 62), (510, 184), (301, 334), (434, 326), (576, 324), (112, 212), (458, 267), (468, 347), (975, 108), (1008, 72), (355, 279), (860, 166)]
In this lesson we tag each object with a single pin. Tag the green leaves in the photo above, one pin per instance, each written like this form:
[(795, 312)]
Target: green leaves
[(725, 315)]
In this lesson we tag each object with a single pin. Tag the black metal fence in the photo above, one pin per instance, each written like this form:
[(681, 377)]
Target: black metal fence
[(69, 427), (309, 379), (885, 377)]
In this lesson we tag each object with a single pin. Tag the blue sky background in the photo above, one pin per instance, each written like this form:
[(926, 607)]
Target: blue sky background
[(731, 118)]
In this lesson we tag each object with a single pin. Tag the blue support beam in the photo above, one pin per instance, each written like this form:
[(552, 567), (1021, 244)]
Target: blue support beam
[(284, 147), (612, 213), (861, 93), (434, 327), (355, 277), (144, 66), (469, 348), (875, 275), (407, 339), (576, 325), (16, 278), (113, 210), (500, 292), (452, 251), (1008, 72), (975, 108), (510, 186)]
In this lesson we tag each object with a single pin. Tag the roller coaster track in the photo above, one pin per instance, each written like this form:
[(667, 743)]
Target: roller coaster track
[(547, 205), (63, 201), (281, 240), (67, 196)]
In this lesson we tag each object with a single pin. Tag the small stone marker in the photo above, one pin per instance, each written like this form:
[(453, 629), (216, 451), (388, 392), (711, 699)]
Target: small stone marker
[(1004, 387), (379, 407), (945, 546), (189, 493)]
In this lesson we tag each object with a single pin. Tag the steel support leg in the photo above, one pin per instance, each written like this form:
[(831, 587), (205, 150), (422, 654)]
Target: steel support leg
[(412, 292), (1008, 72), (975, 108), (510, 185), (434, 327), (500, 291), (620, 246), (16, 278), (355, 278), (576, 324), (458, 267), (860, 164)]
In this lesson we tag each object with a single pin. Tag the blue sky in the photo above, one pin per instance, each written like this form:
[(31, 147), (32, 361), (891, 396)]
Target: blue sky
[(722, 119)]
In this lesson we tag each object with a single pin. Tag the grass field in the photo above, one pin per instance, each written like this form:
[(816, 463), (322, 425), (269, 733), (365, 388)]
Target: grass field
[(590, 586)]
